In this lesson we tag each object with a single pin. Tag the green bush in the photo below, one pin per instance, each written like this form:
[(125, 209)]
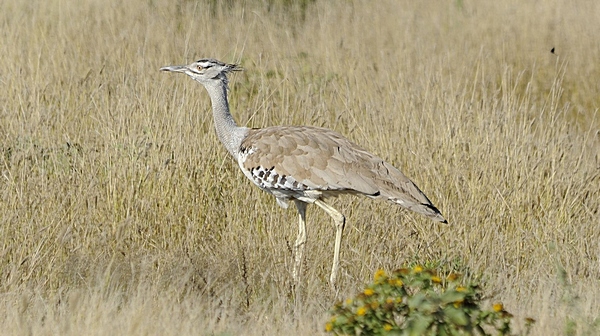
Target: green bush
[(418, 302)]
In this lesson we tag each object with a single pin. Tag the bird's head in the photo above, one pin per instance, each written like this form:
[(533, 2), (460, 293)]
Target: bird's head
[(205, 71)]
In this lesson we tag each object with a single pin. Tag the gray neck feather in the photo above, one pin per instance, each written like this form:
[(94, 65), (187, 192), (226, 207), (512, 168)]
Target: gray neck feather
[(229, 133)]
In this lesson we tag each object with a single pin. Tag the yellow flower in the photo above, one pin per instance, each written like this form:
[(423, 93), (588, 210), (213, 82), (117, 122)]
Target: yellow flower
[(389, 300), (328, 326), (398, 283), (436, 279), (453, 276), (498, 307), (461, 289), (369, 292), (379, 274), (348, 302), (387, 327), (458, 303), (402, 271), (361, 311), (374, 305), (417, 269)]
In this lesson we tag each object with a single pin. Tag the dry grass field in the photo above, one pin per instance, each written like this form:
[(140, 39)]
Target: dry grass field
[(120, 212)]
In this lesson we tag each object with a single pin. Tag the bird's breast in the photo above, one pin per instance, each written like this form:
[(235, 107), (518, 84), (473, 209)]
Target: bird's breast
[(269, 178)]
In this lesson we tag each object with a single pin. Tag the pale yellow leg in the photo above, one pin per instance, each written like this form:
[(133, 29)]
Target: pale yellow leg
[(300, 241), (340, 222)]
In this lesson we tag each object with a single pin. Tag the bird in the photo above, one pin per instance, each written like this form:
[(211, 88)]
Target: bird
[(303, 164)]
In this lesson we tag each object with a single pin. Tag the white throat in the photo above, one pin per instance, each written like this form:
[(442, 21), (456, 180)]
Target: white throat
[(229, 133)]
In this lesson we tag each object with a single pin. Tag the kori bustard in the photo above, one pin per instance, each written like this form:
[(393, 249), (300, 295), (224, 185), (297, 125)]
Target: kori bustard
[(304, 164)]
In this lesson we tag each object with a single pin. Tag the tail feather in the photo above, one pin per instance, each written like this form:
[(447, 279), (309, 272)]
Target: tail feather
[(395, 187), (428, 210)]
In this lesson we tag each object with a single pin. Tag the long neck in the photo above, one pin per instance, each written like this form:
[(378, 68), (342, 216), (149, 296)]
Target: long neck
[(227, 130)]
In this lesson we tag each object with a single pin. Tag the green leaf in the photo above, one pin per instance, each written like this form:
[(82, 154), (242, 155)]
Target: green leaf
[(452, 296), (442, 330), (415, 301), (428, 307), (419, 325), (456, 316)]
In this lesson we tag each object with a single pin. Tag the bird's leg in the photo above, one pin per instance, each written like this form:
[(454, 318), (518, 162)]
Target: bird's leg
[(300, 241), (340, 222)]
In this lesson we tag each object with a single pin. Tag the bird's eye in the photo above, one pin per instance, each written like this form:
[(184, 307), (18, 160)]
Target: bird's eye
[(200, 67)]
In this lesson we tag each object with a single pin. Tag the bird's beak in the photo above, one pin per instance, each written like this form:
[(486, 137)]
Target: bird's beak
[(174, 68)]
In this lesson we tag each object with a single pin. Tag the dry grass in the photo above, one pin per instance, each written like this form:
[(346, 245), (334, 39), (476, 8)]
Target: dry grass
[(120, 213)]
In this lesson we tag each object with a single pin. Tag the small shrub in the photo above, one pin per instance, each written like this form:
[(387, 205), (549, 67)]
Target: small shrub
[(418, 302)]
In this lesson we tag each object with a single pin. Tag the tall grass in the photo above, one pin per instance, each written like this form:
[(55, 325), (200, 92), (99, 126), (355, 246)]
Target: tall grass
[(121, 213)]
